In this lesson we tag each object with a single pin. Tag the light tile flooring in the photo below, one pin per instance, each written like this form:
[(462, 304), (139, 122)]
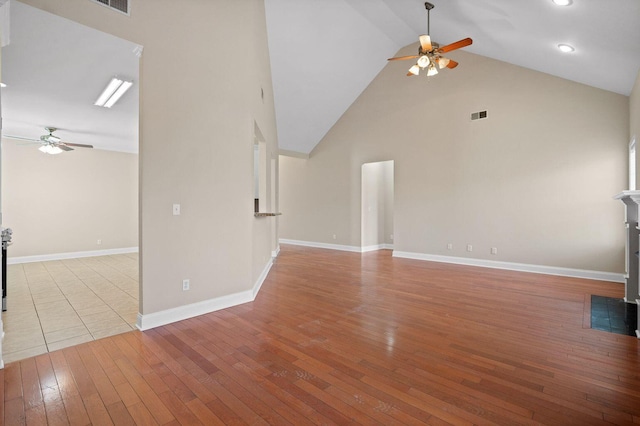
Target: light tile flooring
[(56, 304)]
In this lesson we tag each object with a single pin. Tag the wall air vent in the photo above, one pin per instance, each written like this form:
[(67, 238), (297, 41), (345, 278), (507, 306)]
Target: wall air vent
[(478, 115), (119, 5)]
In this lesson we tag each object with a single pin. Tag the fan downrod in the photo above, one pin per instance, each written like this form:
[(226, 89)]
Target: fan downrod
[(50, 129), (428, 6)]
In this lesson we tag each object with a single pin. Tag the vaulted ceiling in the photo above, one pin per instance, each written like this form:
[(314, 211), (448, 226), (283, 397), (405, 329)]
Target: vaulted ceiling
[(323, 53)]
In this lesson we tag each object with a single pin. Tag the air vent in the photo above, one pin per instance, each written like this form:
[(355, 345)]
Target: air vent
[(119, 5), (478, 115)]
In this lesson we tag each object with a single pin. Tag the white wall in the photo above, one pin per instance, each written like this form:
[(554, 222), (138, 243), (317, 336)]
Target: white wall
[(535, 179), (67, 202), (377, 203)]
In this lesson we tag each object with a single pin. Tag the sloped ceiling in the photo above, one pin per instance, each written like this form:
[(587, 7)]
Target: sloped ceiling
[(324, 53)]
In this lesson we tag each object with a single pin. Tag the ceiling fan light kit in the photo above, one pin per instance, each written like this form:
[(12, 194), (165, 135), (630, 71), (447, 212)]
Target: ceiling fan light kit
[(50, 149), (113, 92), (50, 138), (51, 144), (430, 54)]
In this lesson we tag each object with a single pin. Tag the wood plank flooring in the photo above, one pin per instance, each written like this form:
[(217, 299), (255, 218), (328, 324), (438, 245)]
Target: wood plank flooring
[(344, 338)]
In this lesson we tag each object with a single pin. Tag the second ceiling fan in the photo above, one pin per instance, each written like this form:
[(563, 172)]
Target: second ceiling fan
[(430, 54), (51, 144)]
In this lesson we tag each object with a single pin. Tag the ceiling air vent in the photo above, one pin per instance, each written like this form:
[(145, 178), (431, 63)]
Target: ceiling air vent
[(478, 115), (119, 5)]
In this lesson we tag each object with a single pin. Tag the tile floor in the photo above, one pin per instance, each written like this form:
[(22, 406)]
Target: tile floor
[(613, 315), (56, 304)]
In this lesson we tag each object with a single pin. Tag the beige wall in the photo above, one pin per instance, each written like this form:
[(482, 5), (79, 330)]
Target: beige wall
[(535, 179), (65, 203), (201, 74)]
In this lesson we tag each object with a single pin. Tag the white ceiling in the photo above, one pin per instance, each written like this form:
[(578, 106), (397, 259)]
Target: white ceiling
[(324, 53), (55, 69)]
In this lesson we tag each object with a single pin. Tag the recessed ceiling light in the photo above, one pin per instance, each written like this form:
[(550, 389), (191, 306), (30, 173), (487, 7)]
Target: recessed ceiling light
[(3, 85), (563, 2), (566, 48)]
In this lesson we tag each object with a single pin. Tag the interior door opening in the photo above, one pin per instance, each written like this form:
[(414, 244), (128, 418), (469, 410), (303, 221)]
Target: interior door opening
[(377, 205)]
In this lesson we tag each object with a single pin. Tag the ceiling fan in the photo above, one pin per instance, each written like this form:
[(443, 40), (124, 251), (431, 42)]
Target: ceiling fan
[(51, 144), (430, 53)]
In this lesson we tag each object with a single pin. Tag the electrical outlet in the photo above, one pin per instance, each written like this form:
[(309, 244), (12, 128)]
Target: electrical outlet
[(99, 242), (334, 236), (391, 237), (469, 247), (494, 250), (449, 246), (176, 209), (185, 285)]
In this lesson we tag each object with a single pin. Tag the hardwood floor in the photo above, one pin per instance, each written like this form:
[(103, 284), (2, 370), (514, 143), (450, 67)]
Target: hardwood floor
[(344, 338)]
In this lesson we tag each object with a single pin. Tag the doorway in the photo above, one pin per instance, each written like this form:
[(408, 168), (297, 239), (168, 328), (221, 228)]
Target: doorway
[(66, 206), (377, 205)]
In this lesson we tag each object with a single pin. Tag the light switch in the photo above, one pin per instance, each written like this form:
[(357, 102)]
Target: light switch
[(176, 209)]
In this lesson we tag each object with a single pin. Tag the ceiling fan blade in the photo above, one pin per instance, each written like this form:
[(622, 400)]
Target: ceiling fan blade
[(21, 138), (425, 43), (402, 58), (457, 45), (79, 145), (64, 147), (452, 64)]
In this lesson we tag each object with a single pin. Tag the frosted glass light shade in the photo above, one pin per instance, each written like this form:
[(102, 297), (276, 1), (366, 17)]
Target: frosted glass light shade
[(423, 61), (50, 149), (443, 62)]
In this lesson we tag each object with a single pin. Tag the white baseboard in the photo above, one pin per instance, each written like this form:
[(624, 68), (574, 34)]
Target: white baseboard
[(157, 319), (72, 255), (276, 252), (320, 245), (522, 267), (377, 247), (261, 278), (340, 247)]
